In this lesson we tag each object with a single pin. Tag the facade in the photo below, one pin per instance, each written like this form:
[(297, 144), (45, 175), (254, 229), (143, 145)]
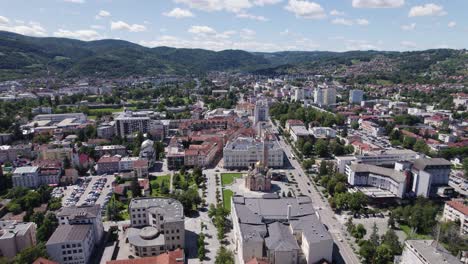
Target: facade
[(372, 128), (83, 215), (260, 111), (71, 244), (27, 177), (11, 153), (323, 132), (384, 157), (298, 132), (325, 96), (279, 230), (426, 252), (244, 152), (258, 179), (391, 180), (105, 131), (356, 96), (110, 150), (128, 123), (429, 174), (108, 164), (157, 225), (14, 237), (457, 210)]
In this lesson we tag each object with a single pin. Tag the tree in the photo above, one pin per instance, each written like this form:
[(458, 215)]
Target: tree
[(390, 239), (367, 251), (135, 187), (383, 254), (323, 170), (421, 146), (374, 236), (465, 165), (391, 221), (350, 225), (340, 187), (308, 148), (29, 255), (224, 256), (321, 148), (47, 228), (201, 246), (360, 231)]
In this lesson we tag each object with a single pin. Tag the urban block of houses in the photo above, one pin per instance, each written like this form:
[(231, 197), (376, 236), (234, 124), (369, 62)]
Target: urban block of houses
[(279, 230)]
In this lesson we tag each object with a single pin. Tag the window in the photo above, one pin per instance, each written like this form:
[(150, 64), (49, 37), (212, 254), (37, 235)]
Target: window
[(161, 217), (80, 250)]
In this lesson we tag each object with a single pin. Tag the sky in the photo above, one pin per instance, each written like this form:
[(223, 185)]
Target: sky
[(252, 25)]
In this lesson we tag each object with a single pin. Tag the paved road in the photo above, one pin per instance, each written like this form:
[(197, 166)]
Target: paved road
[(321, 204)]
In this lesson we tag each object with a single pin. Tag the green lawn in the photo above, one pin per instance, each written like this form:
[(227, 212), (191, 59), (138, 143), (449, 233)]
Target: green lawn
[(159, 180), (228, 178), (227, 194), (407, 231)]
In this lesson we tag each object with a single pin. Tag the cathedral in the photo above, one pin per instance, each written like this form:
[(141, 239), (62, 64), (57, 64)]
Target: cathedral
[(259, 178)]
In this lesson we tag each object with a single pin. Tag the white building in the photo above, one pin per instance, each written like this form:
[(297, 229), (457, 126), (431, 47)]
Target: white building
[(426, 252), (157, 225), (390, 180), (244, 152), (280, 230), (298, 132), (298, 94), (27, 176), (15, 237), (128, 123), (429, 175), (356, 96), (71, 244), (323, 132), (457, 210), (83, 215), (260, 111)]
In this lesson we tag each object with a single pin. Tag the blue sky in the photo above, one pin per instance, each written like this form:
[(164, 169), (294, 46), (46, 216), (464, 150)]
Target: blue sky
[(254, 25)]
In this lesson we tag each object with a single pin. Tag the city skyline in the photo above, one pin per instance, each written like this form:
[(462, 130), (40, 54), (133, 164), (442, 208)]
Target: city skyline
[(252, 25)]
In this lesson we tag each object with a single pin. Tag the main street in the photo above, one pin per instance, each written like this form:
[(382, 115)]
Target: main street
[(326, 214)]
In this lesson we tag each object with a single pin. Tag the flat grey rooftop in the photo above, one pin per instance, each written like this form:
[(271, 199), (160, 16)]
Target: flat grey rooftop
[(66, 233)]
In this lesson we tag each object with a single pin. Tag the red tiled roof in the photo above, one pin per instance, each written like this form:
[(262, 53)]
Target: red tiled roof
[(459, 206), (172, 257), (257, 261), (44, 261)]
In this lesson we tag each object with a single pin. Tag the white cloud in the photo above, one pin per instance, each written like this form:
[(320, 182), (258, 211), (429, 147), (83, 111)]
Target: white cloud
[(378, 3), (305, 9), (247, 33), (408, 44), (179, 13), (335, 12), (202, 30), (266, 2), (362, 22), (427, 10), (83, 34), (75, 1), (236, 6), (452, 24), (4, 20), (30, 29), (103, 13), (408, 27), (97, 27), (359, 45), (120, 25), (342, 21), (251, 16), (349, 22)]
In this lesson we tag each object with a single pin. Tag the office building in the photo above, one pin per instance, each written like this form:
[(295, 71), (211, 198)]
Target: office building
[(128, 123), (260, 111), (157, 226), (27, 177), (83, 215), (457, 210), (429, 175), (14, 237), (323, 132), (356, 96), (71, 244), (279, 230), (244, 152), (426, 252)]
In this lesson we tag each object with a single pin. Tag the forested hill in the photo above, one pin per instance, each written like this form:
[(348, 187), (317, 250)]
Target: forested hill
[(22, 56)]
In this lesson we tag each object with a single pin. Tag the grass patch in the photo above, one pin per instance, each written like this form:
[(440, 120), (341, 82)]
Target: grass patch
[(409, 234), (228, 178), (157, 182), (227, 194)]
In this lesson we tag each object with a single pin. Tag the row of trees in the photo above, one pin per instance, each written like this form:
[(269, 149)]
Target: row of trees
[(285, 111), (380, 250), (420, 216)]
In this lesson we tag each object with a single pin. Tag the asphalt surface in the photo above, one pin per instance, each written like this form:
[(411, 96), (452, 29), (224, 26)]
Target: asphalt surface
[(345, 253)]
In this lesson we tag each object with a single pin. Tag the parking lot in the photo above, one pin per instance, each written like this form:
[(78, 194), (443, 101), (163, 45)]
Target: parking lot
[(88, 191), (382, 141)]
